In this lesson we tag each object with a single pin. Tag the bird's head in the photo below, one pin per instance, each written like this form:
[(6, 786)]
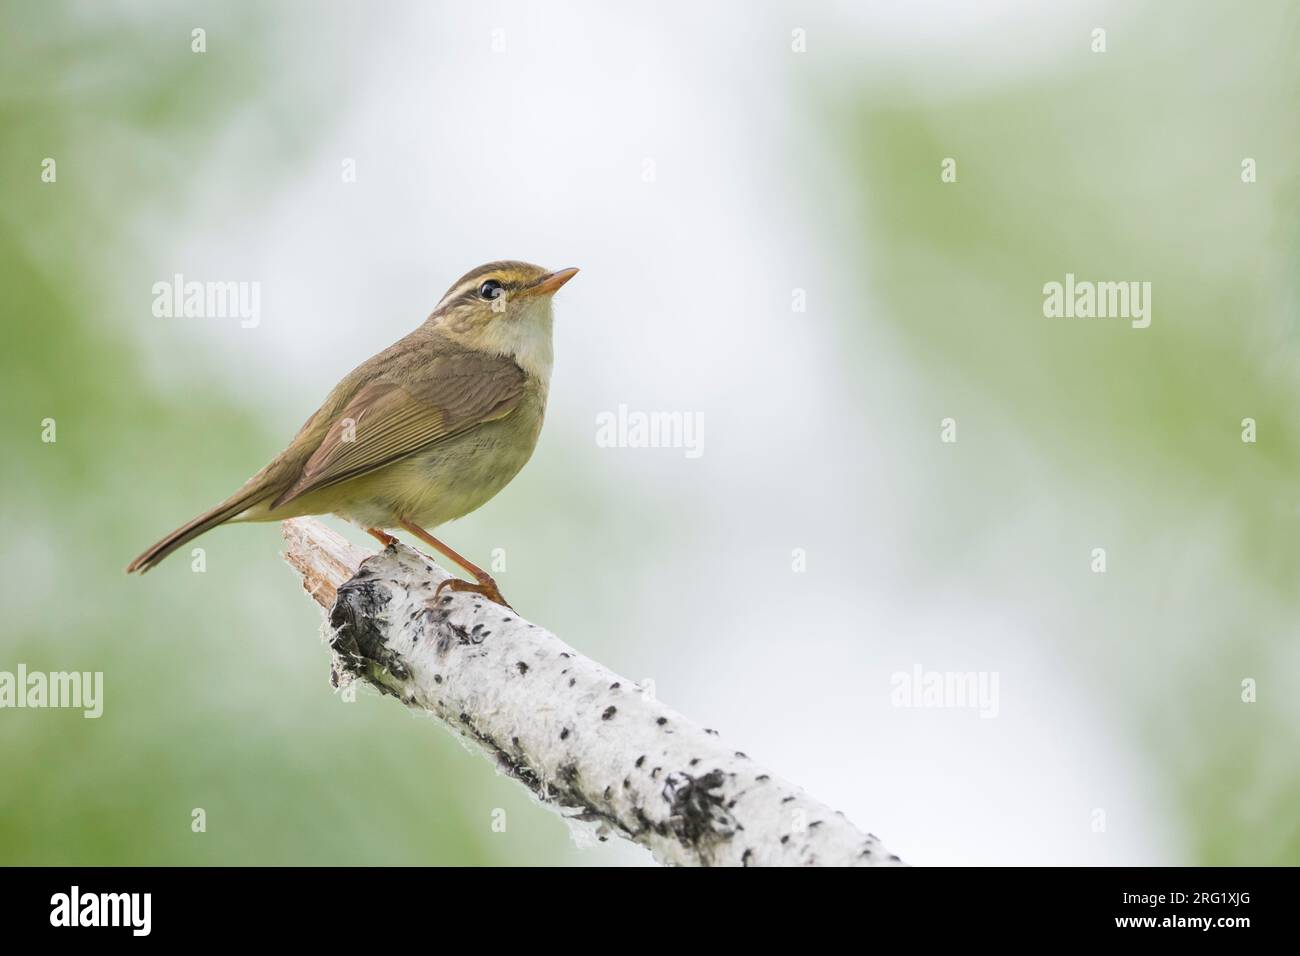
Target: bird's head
[(504, 307)]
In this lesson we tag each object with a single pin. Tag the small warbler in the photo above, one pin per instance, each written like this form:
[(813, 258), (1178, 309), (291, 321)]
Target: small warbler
[(426, 431)]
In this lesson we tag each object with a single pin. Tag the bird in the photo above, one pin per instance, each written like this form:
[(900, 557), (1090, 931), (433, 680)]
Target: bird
[(426, 431)]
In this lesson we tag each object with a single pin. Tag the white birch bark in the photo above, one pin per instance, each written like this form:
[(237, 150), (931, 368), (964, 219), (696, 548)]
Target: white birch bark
[(587, 742)]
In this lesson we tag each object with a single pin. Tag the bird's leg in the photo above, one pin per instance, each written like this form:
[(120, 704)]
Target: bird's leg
[(485, 586), (383, 537)]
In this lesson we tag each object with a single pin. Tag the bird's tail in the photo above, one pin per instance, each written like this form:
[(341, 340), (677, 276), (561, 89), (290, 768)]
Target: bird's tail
[(222, 513)]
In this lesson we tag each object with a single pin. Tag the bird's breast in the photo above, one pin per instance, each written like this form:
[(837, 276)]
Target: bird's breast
[(454, 477)]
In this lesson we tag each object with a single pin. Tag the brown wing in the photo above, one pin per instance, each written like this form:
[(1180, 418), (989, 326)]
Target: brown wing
[(386, 420)]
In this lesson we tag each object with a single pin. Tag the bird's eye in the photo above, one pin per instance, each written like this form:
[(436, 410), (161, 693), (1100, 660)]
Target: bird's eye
[(490, 289)]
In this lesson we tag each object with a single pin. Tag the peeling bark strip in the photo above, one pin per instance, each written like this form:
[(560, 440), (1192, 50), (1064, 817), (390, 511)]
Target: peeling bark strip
[(585, 741)]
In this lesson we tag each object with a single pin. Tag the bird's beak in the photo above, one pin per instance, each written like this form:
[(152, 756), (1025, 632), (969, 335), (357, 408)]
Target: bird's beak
[(551, 282)]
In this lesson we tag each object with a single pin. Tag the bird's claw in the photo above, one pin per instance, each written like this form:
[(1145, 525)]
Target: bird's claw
[(486, 588)]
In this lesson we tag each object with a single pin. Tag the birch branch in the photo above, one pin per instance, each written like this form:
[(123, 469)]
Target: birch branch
[(587, 742)]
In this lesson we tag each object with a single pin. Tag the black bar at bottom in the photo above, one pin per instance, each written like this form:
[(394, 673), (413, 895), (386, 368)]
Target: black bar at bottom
[(334, 906)]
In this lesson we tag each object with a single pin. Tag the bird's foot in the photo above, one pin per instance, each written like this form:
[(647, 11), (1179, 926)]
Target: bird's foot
[(383, 537), (487, 587)]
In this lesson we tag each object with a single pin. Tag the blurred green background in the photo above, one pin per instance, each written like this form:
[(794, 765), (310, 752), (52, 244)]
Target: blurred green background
[(1122, 165), (1122, 690), (216, 691)]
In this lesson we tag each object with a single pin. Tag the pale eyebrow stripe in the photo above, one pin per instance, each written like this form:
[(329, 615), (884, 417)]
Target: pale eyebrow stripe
[(468, 285), (469, 288)]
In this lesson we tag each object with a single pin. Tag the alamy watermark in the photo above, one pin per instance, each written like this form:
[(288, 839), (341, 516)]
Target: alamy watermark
[(75, 908), (972, 690), (1098, 300), (632, 429), (179, 299), (82, 690)]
